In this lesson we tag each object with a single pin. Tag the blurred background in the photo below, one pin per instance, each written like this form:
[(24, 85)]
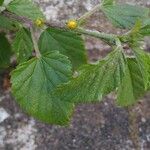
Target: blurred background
[(101, 126)]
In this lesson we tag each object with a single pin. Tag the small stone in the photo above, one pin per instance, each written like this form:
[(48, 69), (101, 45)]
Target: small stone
[(3, 114), (143, 119)]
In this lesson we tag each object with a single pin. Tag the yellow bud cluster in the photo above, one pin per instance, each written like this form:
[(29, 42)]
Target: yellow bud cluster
[(72, 24), (39, 22)]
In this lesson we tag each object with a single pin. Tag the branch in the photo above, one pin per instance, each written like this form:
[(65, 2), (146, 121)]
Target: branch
[(27, 22), (108, 38), (88, 14)]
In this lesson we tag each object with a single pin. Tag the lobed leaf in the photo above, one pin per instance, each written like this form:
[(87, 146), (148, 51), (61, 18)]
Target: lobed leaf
[(32, 84), (125, 16), (67, 42), (94, 81), (143, 60), (22, 45), (25, 8), (6, 23), (132, 86)]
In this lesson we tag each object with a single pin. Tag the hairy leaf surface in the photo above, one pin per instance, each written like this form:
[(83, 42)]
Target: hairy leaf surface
[(67, 42), (125, 16), (25, 8), (5, 51), (22, 45), (132, 86), (108, 2), (145, 29), (33, 82), (94, 81), (6, 23), (143, 60)]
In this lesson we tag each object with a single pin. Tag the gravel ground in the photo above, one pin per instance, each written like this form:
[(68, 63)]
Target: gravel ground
[(100, 126)]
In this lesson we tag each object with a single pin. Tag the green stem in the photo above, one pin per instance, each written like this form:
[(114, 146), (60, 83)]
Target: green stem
[(36, 48), (88, 14), (118, 42), (109, 38)]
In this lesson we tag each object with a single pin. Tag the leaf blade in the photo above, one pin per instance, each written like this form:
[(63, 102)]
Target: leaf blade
[(22, 45), (1, 2), (145, 29), (67, 42), (125, 16), (108, 2), (132, 86), (94, 81), (143, 60), (6, 23), (5, 51), (33, 82), (25, 8)]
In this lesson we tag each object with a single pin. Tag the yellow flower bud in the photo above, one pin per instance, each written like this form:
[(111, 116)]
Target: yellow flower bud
[(39, 22), (72, 24)]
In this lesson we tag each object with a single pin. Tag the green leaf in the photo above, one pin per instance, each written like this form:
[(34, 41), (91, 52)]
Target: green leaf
[(108, 2), (25, 8), (5, 51), (1, 2), (125, 16), (94, 81), (22, 45), (136, 28), (67, 42), (145, 29), (143, 60), (33, 82), (132, 86), (6, 23), (140, 30), (146, 21)]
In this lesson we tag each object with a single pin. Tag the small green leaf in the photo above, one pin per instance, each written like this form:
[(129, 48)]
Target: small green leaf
[(140, 30), (6, 23), (25, 8), (143, 60), (1, 2), (33, 82), (145, 29), (5, 51), (125, 16), (132, 86), (67, 42), (22, 45), (94, 81), (108, 2), (146, 21), (136, 28)]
